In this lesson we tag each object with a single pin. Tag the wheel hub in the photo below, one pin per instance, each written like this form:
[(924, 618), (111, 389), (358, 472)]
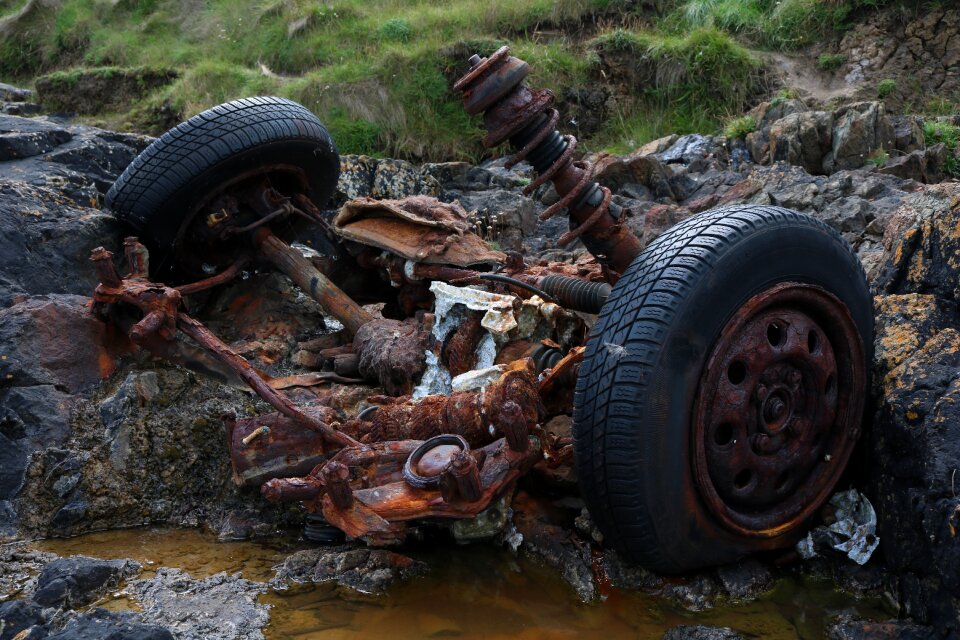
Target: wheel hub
[(778, 408)]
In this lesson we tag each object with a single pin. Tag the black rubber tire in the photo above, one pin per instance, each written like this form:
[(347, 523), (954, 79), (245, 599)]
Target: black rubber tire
[(317, 529), (645, 359), (158, 190)]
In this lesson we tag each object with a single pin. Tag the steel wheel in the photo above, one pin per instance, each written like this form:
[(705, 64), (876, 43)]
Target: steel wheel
[(776, 419)]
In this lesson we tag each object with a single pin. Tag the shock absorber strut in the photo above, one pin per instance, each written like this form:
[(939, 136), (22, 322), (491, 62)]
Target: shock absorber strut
[(511, 111)]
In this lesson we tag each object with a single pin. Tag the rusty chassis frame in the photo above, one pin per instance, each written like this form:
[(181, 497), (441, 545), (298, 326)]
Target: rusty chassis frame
[(411, 457)]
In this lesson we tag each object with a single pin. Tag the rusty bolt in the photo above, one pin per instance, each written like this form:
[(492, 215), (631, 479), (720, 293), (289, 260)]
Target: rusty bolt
[(774, 409), (793, 378), (761, 392), (513, 426), (103, 262), (465, 475), (138, 258), (336, 478)]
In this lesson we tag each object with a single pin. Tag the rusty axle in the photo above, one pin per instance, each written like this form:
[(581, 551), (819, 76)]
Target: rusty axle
[(318, 286)]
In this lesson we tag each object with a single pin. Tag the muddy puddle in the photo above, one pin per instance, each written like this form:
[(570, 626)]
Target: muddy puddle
[(477, 591)]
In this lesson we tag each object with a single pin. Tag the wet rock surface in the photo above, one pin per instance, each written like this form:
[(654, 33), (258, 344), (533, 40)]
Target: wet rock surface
[(76, 581), (221, 607), (701, 632), (370, 571), (108, 625)]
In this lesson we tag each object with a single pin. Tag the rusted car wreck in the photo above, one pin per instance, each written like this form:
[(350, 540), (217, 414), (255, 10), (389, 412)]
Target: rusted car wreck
[(716, 378)]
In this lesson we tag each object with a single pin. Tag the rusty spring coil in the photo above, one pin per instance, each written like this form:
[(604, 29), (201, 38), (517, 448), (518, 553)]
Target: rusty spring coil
[(511, 111)]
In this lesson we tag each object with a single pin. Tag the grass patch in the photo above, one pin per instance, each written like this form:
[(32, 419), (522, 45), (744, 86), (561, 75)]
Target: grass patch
[(379, 72), (830, 61), (878, 157), (396, 30), (740, 127), (777, 24), (886, 87), (949, 135)]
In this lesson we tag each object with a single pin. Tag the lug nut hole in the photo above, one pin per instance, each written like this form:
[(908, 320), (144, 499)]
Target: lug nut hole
[(776, 334), (743, 479), (723, 434), (813, 342), (737, 372), (783, 481)]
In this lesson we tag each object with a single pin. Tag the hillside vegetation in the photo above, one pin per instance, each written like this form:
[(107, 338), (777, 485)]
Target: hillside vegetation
[(379, 72)]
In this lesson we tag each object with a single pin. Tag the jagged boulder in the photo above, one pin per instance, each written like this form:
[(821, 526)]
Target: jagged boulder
[(858, 130), (74, 582), (802, 139), (915, 434)]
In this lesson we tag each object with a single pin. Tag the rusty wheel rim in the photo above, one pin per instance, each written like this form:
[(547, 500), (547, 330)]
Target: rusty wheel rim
[(778, 409)]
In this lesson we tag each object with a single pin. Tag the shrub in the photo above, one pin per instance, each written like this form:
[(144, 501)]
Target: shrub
[(830, 61), (886, 87), (949, 135), (878, 157), (740, 127), (396, 30)]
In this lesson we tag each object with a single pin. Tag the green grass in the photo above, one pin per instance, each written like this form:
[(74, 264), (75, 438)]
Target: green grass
[(777, 24), (694, 82), (878, 157), (379, 72), (740, 127), (830, 61), (949, 135), (886, 87)]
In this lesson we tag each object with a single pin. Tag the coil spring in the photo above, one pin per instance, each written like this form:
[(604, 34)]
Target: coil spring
[(549, 154), (512, 111)]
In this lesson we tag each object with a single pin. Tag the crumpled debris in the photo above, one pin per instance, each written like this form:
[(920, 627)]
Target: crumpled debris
[(852, 532), (418, 228), (477, 379), (451, 304), (498, 318)]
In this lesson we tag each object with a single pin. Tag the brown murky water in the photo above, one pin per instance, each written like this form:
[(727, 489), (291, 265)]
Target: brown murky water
[(472, 592)]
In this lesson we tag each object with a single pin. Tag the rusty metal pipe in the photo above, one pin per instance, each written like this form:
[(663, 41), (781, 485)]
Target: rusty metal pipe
[(318, 286), (277, 400)]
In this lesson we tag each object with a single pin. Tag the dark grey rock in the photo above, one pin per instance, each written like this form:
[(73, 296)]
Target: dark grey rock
[(746, 580), (16, 145), (356, 177), (694, 593), (627, 576), (18, 615), (858, 130), (100, 624), (908, 133), (221, 607), (10, 93), (501, 216), (44, 152), (46, 239), (922, 165), (20, 109), (693, 150), (365, 570), (701, 632), (395, 179), (76, 581), (849, 627), (846, 214)]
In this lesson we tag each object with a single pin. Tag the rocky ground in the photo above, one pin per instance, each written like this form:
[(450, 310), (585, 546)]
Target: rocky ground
[(94, 435)]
